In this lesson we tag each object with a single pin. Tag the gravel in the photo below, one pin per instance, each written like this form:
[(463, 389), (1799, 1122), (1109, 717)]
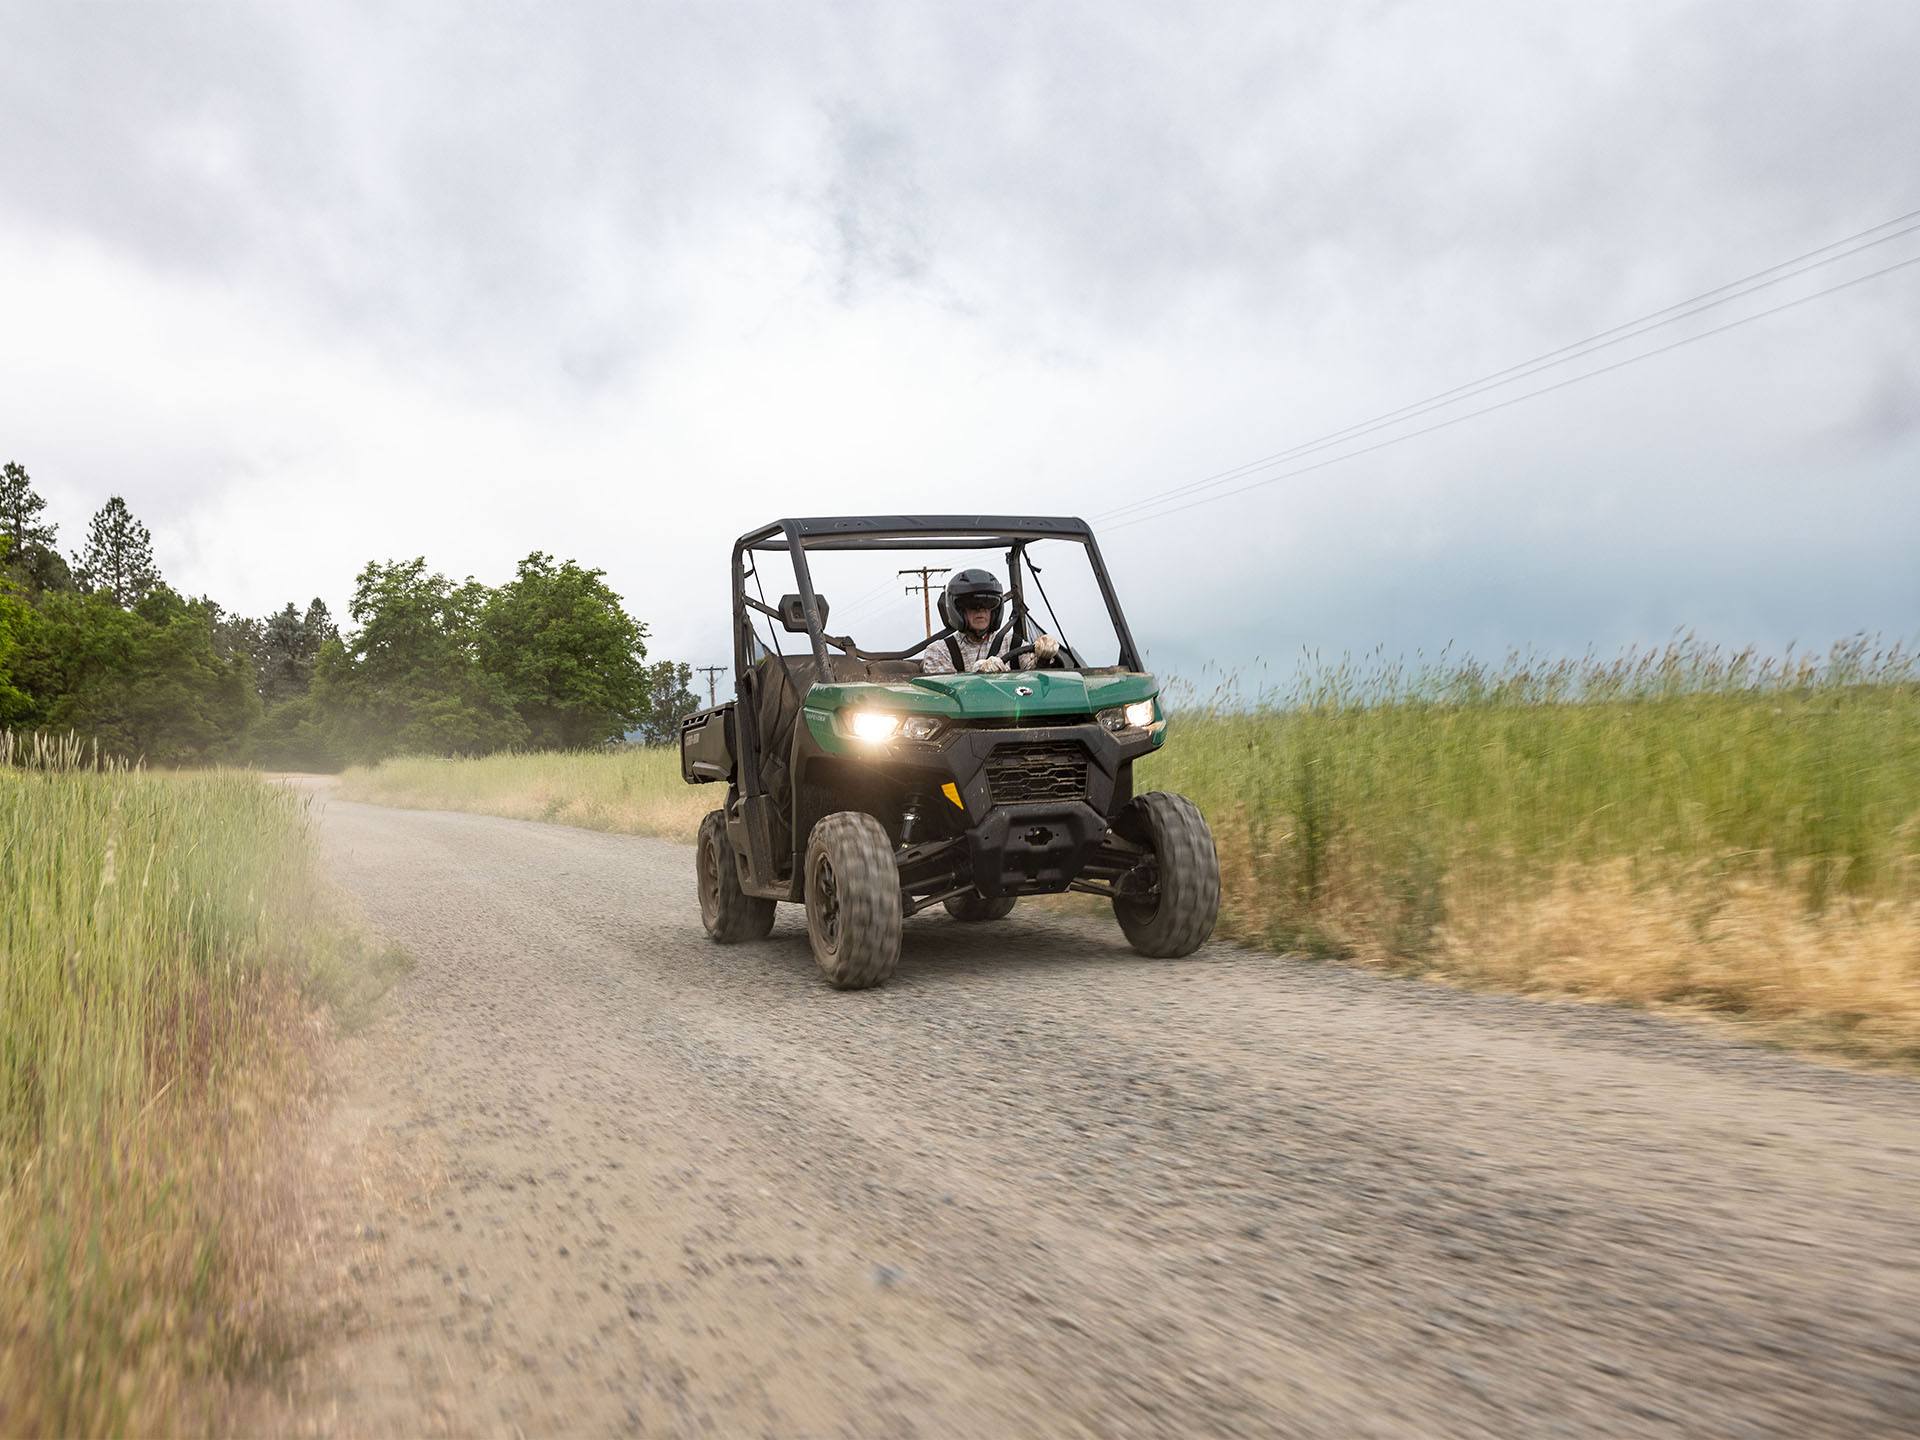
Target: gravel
[(1037, 1185)]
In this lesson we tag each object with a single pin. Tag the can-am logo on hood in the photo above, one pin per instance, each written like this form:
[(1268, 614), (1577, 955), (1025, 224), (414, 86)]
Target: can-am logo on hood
[(1023, 690)]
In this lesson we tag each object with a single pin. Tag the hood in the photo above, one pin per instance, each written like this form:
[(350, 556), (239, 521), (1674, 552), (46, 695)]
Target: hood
[(1050, 694)]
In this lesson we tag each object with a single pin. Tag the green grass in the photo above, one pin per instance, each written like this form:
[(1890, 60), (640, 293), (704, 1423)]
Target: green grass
[(164, 941), (1807, 777)]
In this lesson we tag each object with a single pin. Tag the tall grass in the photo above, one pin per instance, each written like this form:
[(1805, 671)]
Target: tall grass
[(161, 937), (634, 790), (1680, 826)]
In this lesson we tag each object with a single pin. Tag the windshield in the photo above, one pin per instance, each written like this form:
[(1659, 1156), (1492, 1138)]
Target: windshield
[(889, 600)]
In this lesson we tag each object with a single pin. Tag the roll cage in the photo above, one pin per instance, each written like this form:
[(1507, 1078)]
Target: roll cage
[(884, 532)]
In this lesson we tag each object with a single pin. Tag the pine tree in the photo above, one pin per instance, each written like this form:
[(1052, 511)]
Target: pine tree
[(285, 666), (27, 556), (20, 509), (118, 558), (319, 626)]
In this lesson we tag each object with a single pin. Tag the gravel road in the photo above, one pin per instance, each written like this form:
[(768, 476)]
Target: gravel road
[(1038, 1186)]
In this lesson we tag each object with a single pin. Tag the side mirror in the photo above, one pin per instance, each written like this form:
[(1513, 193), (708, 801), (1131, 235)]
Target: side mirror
[(793, 619)]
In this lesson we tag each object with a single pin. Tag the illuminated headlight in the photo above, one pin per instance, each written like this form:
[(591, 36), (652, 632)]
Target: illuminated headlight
[(872, 726), (1137, 716), (876, 727)]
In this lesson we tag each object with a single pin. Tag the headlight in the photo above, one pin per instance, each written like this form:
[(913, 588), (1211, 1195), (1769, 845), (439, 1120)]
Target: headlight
[(1137, 716), (872, 726), (876, 727)]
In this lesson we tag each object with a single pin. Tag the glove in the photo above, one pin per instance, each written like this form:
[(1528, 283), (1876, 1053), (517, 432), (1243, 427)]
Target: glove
[(1045, 647), (989, 665)]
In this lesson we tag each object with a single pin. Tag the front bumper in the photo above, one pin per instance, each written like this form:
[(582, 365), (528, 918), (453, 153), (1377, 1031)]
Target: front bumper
[(1032, 849), (1017, 842)]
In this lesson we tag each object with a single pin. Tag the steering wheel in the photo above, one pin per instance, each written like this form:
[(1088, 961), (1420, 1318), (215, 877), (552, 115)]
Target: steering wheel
[(1064, 658)]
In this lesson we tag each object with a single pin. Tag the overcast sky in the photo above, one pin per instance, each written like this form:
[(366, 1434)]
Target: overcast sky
[(316, 284)]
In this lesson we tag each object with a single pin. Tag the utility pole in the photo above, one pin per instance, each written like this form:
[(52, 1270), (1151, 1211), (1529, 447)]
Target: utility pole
[(925, 589), (710, 671)]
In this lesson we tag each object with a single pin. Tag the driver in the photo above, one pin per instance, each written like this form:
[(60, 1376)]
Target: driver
[(972, 607)]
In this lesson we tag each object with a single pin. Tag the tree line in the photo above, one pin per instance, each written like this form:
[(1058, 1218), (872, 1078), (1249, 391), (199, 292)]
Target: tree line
[(100, 645)]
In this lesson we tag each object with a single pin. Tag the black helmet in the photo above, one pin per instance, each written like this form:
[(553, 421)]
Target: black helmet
[(977, 586)]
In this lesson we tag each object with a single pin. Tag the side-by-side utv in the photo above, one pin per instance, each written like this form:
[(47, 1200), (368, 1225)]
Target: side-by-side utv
[(868, 790)]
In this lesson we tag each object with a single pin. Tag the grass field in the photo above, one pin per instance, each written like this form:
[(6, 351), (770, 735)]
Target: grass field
[(1682, 827), (165, 947)]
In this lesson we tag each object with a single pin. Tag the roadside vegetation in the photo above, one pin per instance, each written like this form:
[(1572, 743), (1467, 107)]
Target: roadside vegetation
[(169, 958), (1683, 827), (636, 790), (101, 646)]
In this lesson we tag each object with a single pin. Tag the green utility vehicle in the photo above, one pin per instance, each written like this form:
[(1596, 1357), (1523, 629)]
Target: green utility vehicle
[(867, 789)]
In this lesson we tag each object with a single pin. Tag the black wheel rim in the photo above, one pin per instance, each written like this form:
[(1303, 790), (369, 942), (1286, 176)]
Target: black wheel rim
[(709, 882), (826, 904)]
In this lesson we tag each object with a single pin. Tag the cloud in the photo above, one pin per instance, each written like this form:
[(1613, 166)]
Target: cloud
[(314, 286)]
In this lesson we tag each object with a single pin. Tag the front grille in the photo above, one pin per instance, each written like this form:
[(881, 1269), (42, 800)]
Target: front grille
[(1021, 774)]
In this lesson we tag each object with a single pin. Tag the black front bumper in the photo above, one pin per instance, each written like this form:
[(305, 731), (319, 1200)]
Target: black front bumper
[(1033, 849), (1030, 825)]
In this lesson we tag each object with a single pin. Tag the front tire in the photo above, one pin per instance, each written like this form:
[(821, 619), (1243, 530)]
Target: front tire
[(973, 909), (1177, 920), (853, 901), (729, 913)]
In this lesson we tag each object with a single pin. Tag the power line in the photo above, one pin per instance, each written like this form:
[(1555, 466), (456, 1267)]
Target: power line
[(1631, 329), (1517, 399)]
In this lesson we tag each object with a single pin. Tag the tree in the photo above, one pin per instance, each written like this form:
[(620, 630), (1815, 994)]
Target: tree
[(118, 558), (147, 682), (20, 509), (409, 678), (670, 699), (15, 617), (31, 561), (570, 659), (318, 623), (284, 655)]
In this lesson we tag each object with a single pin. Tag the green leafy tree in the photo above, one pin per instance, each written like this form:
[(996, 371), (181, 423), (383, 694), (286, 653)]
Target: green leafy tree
[(233, 634), (409, 678), (571, 661), (15, 617), (294, 734), (670, 699), (31, 560), (118, 558), (149, 682)]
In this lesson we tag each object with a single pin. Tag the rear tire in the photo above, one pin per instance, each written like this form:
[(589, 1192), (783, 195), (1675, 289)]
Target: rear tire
[(729, 913), (853, 901), (1178, 920), (972, 909)]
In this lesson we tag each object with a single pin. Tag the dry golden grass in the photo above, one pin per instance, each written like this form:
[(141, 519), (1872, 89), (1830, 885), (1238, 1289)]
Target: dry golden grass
[(635, 791), (1735, 941), (1846, 977)]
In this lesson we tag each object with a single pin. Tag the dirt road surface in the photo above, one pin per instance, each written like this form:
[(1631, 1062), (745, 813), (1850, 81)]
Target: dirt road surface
[(1038, 1186)]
